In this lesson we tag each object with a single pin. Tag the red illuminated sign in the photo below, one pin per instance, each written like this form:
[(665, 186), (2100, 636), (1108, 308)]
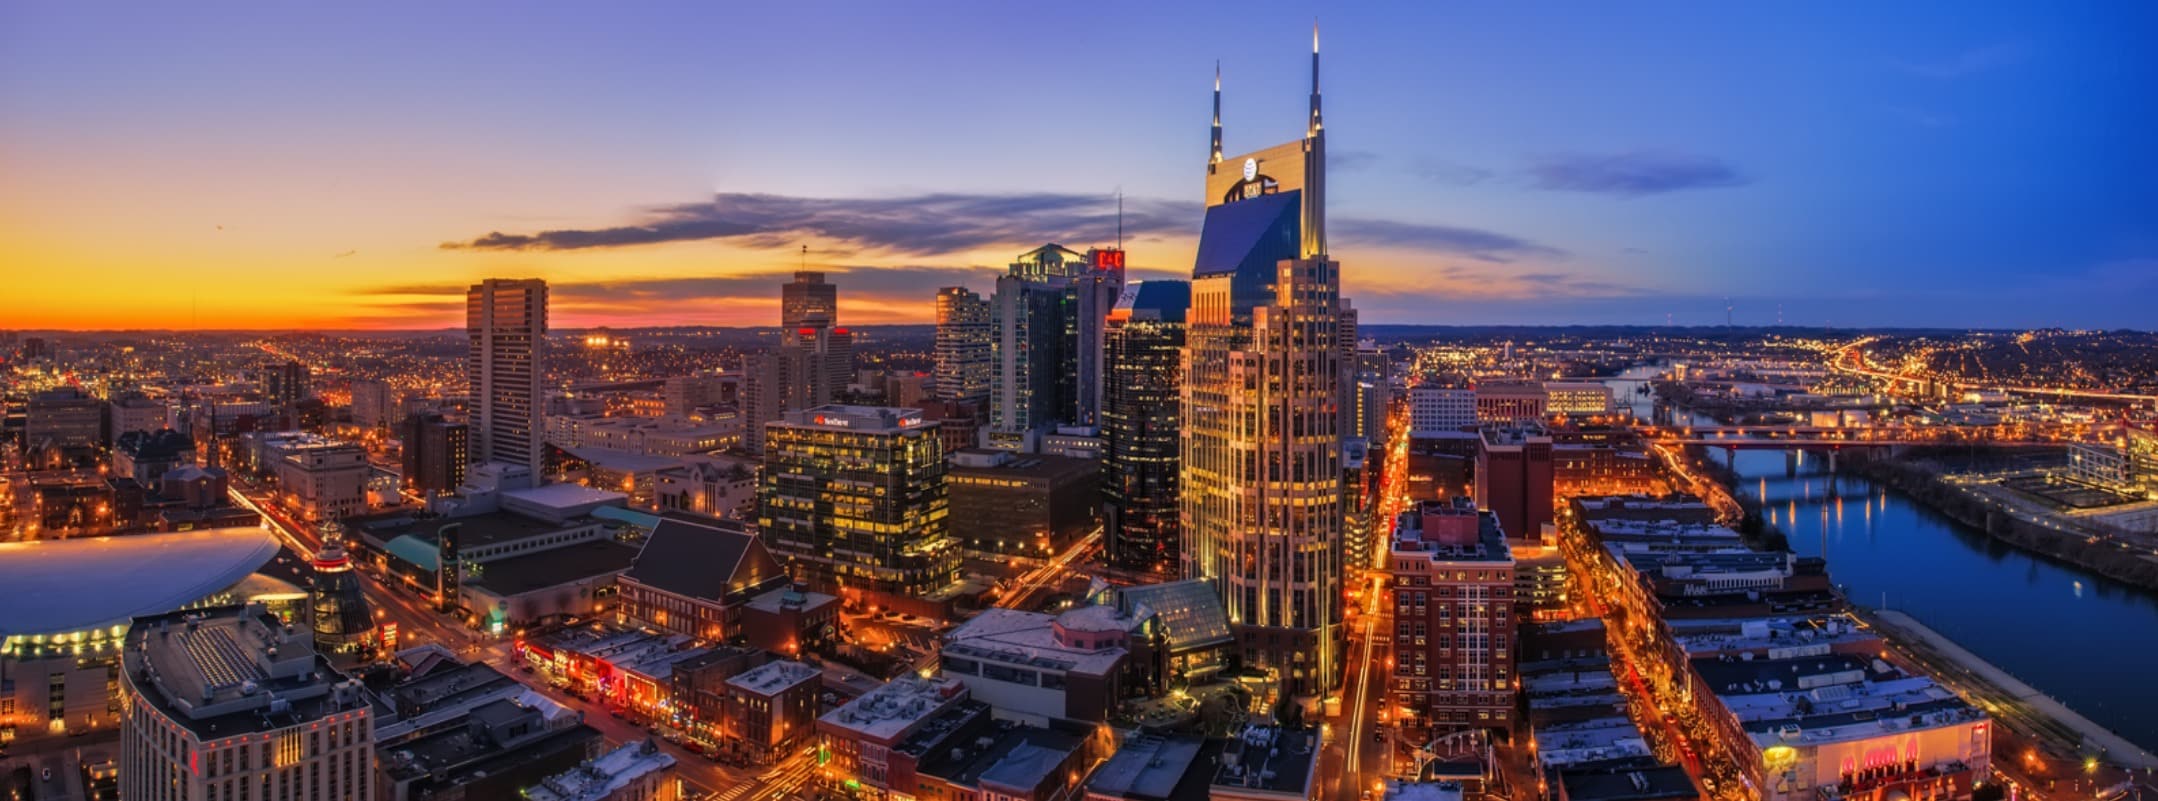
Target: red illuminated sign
[(1109, 258)]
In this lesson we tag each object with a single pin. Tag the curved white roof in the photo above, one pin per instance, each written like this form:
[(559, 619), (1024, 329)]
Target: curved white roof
[(59, 586)]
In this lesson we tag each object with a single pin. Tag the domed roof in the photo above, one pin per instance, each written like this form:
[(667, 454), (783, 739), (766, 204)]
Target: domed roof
[(61, 586)]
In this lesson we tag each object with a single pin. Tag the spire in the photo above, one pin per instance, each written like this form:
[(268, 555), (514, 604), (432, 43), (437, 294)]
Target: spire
[(1315, 124), (1216, 158)]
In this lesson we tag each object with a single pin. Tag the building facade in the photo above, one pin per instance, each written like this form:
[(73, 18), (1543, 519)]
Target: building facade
[(233, 703), (1262, 497), (1030, 506), (1451, 581), (1144, 375), (1435, 409), (436, 451), (505, 370), (1514, 479), (963, 345), (856, 499)]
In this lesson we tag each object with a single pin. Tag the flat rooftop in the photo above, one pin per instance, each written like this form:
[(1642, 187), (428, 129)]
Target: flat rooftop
[(1270, 759), (1626, 782), (886, 712), (1150, 767), (1021, 758), (1019, 637), (474, 531), (1731, 635), (228, 671), (772, 677), (1815, 700), (603, 776)]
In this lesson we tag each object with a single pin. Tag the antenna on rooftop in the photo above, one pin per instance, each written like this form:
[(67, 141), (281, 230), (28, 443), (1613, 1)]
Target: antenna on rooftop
[(1120, 218)]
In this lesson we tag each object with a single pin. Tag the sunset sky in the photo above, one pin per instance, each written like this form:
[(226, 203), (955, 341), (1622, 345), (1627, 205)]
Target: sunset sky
[(292, 165)]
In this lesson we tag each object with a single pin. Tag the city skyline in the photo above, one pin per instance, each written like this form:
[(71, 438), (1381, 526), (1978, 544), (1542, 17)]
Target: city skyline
[(1900, 169)]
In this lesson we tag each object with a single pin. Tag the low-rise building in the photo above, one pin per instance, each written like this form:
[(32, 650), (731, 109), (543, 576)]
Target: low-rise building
[(636, 771), (145, 456), (1268, 763), (1842, 727), (771, 710), (1034, 667), (861, 736), (694, 579)]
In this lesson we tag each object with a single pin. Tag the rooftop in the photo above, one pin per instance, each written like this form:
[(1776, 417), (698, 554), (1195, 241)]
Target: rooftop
[(562, 495), (553, 567), (1189, 612), (474, 531), (701, 560), (887, 712), (1814, 700), (1770, 634), (72, 585), (772, 677), (1148, 767), (1270, 758), (1626, 782), (602, 776), (1428, 531), (866, 419), (1019, 759), (233, 670), (1019, 637)]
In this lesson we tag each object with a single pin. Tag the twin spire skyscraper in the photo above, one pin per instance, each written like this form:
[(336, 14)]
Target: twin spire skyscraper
[(1263, 501)]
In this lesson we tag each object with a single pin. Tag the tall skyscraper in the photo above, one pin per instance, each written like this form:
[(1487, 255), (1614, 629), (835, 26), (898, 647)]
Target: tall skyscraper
[(963, 345), (1144, 373), (1047, 319), (506, 322), (1263, 506), (856, 498), (813, 363), (1092, 298)]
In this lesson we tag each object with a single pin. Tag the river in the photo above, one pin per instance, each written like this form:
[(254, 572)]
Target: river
[(2088, 641)]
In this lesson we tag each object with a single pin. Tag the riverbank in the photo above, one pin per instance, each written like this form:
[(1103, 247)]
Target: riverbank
[(2002, 693), (1925, 485)]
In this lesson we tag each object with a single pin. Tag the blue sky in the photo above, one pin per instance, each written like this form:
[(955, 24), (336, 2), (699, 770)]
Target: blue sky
[(1915, 164)]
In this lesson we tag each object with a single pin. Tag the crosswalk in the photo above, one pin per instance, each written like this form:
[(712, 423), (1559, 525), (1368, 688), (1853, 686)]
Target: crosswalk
[(779, 782)]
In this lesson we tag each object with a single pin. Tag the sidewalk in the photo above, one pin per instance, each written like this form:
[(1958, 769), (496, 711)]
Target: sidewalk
[(2118, 749)]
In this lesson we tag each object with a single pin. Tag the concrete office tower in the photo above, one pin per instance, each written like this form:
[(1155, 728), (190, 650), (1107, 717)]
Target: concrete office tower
[(505, 370), (813, 362), (1261, 476), (1144, 374), (809, 322), (856, 498), (963, 345), (231, 702)]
